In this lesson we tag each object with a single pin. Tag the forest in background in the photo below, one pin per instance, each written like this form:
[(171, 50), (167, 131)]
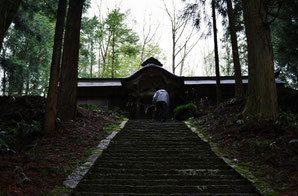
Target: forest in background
[(109, 49)]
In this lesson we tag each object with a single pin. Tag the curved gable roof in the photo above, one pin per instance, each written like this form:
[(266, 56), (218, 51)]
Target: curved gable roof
[(148, 68)]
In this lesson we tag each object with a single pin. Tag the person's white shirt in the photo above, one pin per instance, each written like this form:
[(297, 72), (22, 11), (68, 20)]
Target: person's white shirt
[(161, 95)]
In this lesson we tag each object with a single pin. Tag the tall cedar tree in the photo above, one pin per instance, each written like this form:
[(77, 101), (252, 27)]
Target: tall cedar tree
[(51, 104), (262, 95), (67, 98), (218, 88), (237, 68), (8, 10)]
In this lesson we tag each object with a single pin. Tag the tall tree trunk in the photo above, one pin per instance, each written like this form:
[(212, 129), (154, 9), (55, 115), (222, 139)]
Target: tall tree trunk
[(98, 63), (27, 84), (262, 95), (113, 55), (174, 50), (104, 53), (237, 67), (49, 124), (4, 82), (67, 99), (91, 58), (8, 10), (4, 79), (183, 60), (218, 89)]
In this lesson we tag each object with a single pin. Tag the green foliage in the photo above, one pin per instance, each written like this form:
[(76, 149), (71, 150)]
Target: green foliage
[(58, 191), (32, 152), (12, 129), (288, 120), (196, 122), (118, 113), (91, 35), (88, 152), (285, 43), (114, 112), (91, 107), (259, 144), (31, 129), (112, 127), (260, 184), (27, 51), (23, 177), (185, 111)]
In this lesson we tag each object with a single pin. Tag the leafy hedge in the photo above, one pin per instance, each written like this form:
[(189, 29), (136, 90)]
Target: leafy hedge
[(184, 112)]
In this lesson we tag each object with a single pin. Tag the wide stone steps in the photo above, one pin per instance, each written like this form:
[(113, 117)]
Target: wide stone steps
[(196, 172), (166, 189), (155, 158), (161, 194), (158, 176), (176, 182), (163, 166)]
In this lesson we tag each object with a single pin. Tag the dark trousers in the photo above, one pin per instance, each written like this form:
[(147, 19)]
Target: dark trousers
[(161, 111)]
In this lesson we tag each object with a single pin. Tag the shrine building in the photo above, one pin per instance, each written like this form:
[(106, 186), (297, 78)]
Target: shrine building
[(134, 93)]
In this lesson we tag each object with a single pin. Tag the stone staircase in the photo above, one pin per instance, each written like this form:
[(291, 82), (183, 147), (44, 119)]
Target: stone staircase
[(155, 158)]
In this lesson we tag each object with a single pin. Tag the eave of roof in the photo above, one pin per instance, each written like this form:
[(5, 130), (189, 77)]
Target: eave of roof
[(99, 82), (117, 82)]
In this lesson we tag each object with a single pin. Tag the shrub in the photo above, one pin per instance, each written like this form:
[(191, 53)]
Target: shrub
[(91, 107), (183, 112)]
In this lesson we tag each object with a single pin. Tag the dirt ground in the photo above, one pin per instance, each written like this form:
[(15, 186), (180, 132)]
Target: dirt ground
[(33, 164), (269, 149)]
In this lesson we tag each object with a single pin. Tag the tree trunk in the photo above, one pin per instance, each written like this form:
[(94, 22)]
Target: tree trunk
[(218, 89), (49, 124), (237, 68), (91, 58), (174, 50), (8, 10), (262, 95), (113, 55), (183, 60), (67, 99), (98, 63), (4, 81)]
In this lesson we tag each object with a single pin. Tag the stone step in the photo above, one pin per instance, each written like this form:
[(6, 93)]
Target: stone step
[(164, 189), (161, 162), (160, 133), (158, 147), (158, 151), (160, 194), (163, 159), (159, 166), (159, 139), (95, 175), (187, 172), (176, 182), (200, 156), (159, 143)]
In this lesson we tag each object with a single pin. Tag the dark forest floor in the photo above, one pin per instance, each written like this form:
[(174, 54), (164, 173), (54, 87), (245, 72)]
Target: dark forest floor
[(36, 163), (33, 164), (267, 149)]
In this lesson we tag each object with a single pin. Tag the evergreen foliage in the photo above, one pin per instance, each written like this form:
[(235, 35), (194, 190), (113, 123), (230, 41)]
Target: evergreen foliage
[(285, 42), (184, 112), (26, 54)]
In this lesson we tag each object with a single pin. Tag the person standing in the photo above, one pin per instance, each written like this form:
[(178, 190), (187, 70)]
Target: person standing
[(161, 100)]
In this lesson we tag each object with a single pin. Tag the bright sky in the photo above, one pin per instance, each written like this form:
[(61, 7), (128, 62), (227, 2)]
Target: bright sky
[(145, 10)]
